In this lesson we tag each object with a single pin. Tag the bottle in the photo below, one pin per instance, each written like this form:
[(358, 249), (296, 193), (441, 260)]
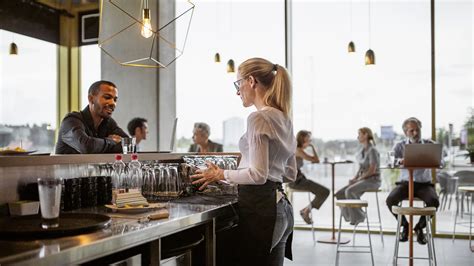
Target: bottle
[(118, 173), (135, 173)]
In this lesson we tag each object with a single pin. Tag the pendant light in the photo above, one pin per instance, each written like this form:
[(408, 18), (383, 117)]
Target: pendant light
[(369, 55), (351, 46), (217, 58), (147, 30), (13, 47), (230, 66)]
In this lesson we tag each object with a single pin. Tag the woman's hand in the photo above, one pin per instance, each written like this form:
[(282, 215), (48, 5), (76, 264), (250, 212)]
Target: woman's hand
[(207, 176)]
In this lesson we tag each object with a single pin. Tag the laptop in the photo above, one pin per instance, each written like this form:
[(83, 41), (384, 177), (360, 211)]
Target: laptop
[(423, 155)]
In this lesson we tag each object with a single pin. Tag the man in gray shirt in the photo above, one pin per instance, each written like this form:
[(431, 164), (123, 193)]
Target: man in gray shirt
[(423, 188)]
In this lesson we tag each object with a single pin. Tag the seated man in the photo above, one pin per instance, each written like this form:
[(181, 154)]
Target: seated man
[(92, 130), (138, 128), (423, 188), (201, 140)]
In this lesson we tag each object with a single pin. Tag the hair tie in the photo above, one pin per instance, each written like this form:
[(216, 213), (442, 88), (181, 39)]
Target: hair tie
[(275, 67)]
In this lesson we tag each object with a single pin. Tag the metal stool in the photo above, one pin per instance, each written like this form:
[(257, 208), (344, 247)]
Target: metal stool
[(427, 212), (289, 192), (352, 203), (376, 191), (465, 190)]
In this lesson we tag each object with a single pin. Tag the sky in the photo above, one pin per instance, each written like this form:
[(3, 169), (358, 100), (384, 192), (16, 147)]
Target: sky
[(334, 92)]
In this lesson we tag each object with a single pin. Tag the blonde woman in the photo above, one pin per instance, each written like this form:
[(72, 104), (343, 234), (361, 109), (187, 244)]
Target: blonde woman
[(268, 159), (321, 193), (366, 178)]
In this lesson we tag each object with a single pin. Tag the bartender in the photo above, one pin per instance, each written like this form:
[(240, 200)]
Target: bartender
[(92, 130)]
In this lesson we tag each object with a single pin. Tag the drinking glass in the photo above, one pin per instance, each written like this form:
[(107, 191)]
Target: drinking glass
[(49, 190), (172, 182), (391, 159), (126, 142), (148, 182)]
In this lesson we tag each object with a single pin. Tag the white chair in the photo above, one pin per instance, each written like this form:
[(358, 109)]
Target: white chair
[(289, 193), (353, 203), (379, 223)]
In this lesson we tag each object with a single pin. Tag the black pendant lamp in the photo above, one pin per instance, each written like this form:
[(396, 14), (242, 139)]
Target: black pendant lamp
[(217, 58), (230, 66), (369, 55)]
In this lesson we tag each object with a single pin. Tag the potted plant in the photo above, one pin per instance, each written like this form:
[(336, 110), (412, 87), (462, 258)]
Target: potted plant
[(470, 153)]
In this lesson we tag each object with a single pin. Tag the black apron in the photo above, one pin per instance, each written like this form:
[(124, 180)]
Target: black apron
[(257, 216)]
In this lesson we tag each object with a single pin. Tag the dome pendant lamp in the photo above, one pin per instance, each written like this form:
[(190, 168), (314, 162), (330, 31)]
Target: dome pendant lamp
[(230, 66), (217, 58), (369, 55)]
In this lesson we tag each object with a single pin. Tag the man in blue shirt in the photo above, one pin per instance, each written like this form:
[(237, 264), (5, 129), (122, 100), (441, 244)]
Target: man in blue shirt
[(423, 188)]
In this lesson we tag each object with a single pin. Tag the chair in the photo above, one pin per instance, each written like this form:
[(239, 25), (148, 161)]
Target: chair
[(465, 178), (448, 186), (427, 212), (465, 190), (376, 191), (289, 193), (353, 203)]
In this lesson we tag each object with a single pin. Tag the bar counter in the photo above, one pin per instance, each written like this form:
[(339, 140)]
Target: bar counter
[(211, 217), (121, 235)]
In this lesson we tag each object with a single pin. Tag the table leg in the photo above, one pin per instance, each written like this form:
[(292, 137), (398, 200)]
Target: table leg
[(410, 222), (333, 239)]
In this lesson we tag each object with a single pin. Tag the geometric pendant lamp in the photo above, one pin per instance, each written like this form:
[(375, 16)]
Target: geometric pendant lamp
[(132, 34)]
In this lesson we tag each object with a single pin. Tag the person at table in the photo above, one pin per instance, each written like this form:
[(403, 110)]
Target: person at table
[(366, 178), (138, 129), (321, 193), (202, 143), (423, 188), (268, 159), (92, 130)]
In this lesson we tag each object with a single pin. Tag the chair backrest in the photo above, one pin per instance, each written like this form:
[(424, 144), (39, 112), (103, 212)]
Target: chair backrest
[(442, 178), (466, 178)]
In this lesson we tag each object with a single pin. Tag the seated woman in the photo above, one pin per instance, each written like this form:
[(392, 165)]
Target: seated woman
[(367, 177), (201, 140), (303, 139)]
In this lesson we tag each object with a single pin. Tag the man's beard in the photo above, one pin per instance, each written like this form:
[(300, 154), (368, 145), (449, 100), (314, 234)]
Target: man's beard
[(415, 139)]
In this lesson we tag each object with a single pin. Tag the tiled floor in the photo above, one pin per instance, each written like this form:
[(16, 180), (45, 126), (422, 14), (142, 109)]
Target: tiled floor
[(305, 253)]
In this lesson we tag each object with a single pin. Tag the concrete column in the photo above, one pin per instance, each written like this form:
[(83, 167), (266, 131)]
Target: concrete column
[(144, 92)]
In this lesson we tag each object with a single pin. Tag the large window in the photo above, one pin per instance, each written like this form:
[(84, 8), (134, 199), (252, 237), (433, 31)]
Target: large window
[(28, 93), (204, 91), (336, 93), (454, 103)]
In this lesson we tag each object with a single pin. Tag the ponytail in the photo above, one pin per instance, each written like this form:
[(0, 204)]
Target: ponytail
[(275, 80)]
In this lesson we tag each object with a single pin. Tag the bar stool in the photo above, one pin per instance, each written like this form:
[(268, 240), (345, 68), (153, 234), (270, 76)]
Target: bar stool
[(465, 190), (353, 203), (289, 192), (376, 191), (427, 212)]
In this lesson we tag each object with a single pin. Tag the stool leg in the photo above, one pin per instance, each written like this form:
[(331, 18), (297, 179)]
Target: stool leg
[(311, 216), (378, 212), (456, 217), (470, 224), (430, 227), (338, 240), (397, 240), (428, 234), (354, 235), (370, 241)]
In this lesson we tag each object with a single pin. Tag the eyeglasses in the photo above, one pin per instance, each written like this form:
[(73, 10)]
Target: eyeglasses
[(237, 84)]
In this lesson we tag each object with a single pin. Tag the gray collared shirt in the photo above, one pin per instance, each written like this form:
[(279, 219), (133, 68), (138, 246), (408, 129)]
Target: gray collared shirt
[(419, 175)]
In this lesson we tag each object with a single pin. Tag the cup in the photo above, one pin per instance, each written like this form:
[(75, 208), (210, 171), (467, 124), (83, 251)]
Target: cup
[(129, 145), (49, 190), (126, 145)]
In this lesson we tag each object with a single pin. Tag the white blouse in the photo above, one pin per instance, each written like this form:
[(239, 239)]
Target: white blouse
[(268, 150)]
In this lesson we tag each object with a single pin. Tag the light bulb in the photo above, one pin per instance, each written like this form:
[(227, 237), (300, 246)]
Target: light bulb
[(147, 30)]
